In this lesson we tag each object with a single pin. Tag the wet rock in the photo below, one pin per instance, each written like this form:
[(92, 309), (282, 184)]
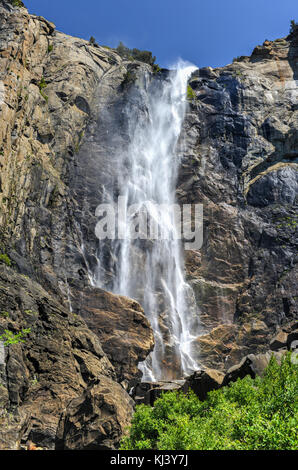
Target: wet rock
[(122, 328), (239, 159)]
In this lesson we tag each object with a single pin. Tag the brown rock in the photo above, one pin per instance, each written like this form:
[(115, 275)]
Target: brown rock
[(122, 328), (204, 381), (59, 358), (97, 419), (12, 429), (279, 341), (251, 365), (158, 389)]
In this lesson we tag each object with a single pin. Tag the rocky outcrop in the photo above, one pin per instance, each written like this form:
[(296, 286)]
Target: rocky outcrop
[(122, 328), (48, 82), (204, 381), (148, 392), (251, 365), (58, 359), (240, 162), (97, 419)]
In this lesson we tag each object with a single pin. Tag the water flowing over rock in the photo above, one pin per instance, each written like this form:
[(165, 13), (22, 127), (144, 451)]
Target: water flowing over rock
[(147, 269)]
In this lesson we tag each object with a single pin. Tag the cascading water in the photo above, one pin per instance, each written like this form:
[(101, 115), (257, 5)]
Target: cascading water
[(152, 271)]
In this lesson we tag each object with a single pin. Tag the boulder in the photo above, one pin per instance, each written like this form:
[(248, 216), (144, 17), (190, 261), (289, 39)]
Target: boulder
[(201, 382), (148, 392), (122, 328), (204, 381), (279, 341), (156, 392), (292, 340), (97, 419), (253, 364)]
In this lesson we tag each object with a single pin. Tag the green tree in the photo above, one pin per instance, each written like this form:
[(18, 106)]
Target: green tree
[(135, 54), (249, 414), (293, 26)]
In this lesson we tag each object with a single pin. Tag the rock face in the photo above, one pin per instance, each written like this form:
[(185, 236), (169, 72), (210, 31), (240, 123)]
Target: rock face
[(123, 330), (62, 119), (241, 164), (59, 358), (97, 419)]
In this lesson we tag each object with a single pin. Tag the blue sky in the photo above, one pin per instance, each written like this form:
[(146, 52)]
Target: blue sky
[(204, 32)]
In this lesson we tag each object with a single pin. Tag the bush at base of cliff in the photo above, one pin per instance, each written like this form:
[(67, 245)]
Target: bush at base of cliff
[(246, 415)]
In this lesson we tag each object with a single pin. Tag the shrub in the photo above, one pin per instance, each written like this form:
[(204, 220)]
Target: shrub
[(190, 93), (5, 259), (4, 314), (156, 69), (128, 79), (293, 27), (42, 85), (8, 337), (50, 48), (17, 3), (135, 54), (259, 414)]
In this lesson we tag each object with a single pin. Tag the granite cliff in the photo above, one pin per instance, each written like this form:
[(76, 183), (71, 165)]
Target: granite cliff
[(63, 100)]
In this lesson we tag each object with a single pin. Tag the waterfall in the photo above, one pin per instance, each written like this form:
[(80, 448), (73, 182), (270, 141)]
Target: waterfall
[(152, 270)]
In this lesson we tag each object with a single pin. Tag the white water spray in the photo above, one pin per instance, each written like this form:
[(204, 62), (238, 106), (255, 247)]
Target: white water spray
[(152, 271)]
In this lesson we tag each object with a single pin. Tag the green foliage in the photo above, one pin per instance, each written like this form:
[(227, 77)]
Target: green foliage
[(128, 79), (4, 314), (135, 54), (17, 3), (92, 40), (156, 69), (190, 93), (259, 414), (5, 259), (293, 27), (42, 85), (50, 48), (9, 337)]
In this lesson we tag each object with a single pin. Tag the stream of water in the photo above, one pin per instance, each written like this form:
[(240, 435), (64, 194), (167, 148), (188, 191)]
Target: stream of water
[(152, 270)]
